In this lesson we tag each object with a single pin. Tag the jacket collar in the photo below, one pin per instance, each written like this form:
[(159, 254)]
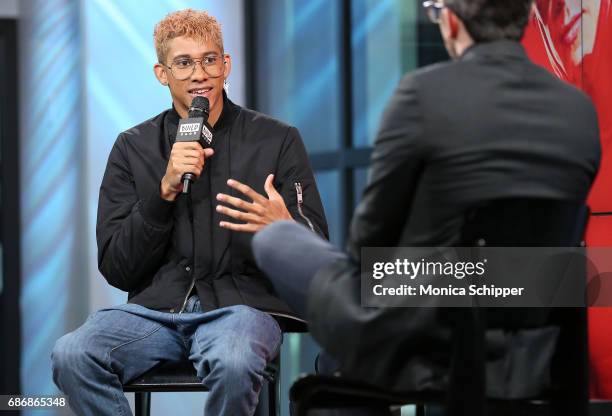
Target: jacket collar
[(228, 114), (501, 48)]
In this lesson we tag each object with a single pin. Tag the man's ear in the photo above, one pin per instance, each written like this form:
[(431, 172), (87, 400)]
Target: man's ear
[(453, 24), (160, 73), (227, 65)]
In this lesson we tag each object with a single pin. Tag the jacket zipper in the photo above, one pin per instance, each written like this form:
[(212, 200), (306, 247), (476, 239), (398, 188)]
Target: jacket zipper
[(188, 293), (300, 201), (190, 268)]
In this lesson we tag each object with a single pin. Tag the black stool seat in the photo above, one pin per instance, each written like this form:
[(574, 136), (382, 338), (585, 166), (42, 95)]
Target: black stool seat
[(167, 377), (180, 376), (174, 376)]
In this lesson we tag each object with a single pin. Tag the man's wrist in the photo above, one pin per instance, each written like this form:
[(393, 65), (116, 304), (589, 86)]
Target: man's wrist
[(166, 192)]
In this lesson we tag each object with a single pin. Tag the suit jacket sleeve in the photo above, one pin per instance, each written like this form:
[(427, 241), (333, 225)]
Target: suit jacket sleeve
[(395, 166), (294, 168), (132, 233)]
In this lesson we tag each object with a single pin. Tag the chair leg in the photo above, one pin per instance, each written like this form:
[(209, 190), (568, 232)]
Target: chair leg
[(420, 410), (274, 390), (142, 402), (262, 403)]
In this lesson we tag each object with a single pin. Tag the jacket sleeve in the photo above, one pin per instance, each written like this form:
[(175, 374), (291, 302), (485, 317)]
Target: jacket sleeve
[(297, 185), (132, 233), (396, 164)]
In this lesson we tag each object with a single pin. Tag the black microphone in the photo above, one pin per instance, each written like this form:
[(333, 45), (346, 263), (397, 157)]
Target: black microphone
[(192, 129)]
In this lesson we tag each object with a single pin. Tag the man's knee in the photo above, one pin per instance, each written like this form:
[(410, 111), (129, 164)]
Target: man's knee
[(255, 330), (72, 353), (65, 356), (64, 351), (269, 238), (241, 368), (244, 351)]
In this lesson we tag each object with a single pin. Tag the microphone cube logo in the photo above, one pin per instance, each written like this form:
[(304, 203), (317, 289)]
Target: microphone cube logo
[(208, 136), (189, 128)]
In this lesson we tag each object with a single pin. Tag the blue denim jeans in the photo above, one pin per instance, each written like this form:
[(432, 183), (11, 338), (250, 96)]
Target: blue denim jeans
[(229, 348)]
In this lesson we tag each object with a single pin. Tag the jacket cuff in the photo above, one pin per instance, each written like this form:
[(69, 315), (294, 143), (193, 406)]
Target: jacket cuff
[(157, 211)]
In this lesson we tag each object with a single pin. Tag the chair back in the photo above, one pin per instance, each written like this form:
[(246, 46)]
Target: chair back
[(521, 222)]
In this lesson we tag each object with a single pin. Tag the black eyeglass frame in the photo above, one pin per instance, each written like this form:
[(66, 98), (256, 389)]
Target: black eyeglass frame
[(434, 10)]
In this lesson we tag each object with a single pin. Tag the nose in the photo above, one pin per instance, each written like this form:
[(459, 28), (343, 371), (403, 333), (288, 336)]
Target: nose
[(198, 71)]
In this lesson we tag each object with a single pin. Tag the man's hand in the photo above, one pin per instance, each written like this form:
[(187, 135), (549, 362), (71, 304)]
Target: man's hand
[(256, 214), (186, 157)]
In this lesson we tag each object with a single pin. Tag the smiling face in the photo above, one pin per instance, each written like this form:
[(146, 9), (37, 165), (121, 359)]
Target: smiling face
[(200, 83), (572, 25)]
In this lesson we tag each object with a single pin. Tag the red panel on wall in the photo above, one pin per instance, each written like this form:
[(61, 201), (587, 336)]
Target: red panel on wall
[(573, 40)]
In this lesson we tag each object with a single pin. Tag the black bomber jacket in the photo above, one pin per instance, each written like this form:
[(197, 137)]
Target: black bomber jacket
[(145, 244)]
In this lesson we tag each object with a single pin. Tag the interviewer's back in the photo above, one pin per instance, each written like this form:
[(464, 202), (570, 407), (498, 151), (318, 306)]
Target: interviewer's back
[(486, 126), (489, 125)]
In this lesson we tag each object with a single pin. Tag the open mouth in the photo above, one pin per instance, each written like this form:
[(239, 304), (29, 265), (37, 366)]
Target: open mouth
[(204, 91)]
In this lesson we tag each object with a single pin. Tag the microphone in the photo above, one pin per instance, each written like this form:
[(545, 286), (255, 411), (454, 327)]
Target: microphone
[(192, 129)]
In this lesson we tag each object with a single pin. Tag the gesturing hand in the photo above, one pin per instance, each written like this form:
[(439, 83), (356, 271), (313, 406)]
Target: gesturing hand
[(256, 214)]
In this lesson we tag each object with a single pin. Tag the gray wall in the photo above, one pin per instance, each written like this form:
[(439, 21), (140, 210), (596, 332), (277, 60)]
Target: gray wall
[(9, 8)]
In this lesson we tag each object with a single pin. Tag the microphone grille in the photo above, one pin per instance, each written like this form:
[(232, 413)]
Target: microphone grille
[(199, 105)]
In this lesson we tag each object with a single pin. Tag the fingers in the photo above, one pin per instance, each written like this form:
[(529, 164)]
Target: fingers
[(195, 169), (254, 215), (245, 228), (188, 157), (191, 154), (189, 164), (269, 187), (240, 203), (187, 146), (246, 190), (185, 157), (253, 222), (191, 150), (239, 215)]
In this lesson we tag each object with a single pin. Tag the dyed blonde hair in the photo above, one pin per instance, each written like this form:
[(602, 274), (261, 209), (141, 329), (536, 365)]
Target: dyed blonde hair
[(190, 23)]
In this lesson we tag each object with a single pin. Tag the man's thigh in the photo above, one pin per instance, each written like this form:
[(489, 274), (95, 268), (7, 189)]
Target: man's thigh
[(127, 343), (240, 335)]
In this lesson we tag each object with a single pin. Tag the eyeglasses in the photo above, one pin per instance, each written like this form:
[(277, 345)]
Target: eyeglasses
[(434, 10), (182, 68)]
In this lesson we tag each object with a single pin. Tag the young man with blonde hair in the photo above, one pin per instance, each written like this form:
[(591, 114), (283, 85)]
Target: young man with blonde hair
[(194, 289)]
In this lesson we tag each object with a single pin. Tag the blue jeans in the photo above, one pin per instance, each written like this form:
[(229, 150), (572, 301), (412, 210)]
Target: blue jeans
[(229, 348)]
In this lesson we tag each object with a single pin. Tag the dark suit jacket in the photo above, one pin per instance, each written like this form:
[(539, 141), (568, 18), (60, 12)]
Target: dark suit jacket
[(490, 125)]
